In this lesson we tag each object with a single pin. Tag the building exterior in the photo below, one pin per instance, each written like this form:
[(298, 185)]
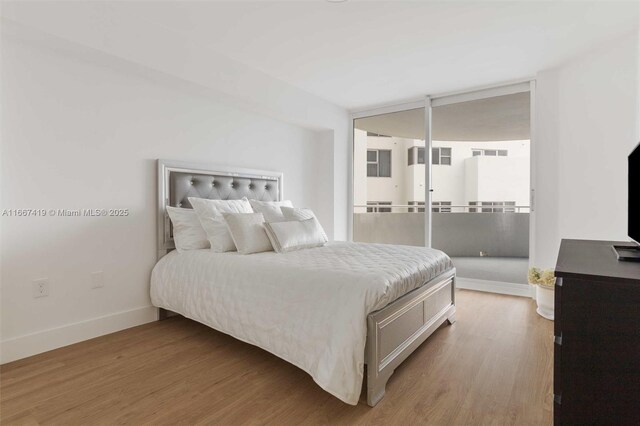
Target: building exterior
[(390, 171)]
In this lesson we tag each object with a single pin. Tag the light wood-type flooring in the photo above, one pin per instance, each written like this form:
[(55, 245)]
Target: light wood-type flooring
[(493, 366)]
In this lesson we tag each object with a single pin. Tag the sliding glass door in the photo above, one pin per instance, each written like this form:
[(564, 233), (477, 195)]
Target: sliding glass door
[(389, 177), (451, 173), (480, 181)]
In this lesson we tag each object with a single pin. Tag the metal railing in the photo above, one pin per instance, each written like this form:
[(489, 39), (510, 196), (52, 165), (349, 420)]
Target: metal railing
[(413, 208)]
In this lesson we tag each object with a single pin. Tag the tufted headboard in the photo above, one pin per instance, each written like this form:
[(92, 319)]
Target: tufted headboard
[(177, 181)]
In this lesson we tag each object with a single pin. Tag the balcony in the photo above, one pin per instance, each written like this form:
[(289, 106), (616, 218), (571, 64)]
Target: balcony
[(491, 245)]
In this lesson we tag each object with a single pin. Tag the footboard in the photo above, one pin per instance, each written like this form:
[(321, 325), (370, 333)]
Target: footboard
[(396, 330)]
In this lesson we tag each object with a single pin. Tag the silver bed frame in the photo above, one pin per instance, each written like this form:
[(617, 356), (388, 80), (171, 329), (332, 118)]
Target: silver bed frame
[(393, 332)]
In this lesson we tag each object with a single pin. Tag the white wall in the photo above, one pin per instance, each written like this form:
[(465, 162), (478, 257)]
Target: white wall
[(392, 188), (587, 124), (499, 178), (461, 183), (82, 129), (360, 196), (103, 27)]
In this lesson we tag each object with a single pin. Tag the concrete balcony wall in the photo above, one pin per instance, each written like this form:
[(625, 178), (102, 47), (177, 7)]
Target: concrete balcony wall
[(457, 234)]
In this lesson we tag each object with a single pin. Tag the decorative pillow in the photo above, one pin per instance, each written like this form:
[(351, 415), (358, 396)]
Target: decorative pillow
[(247, 231), (295, 235), (270, 209), (188, 233), (292, 213), (210, 215)]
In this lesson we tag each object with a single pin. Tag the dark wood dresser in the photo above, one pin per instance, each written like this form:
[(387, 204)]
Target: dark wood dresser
[(596, 376)]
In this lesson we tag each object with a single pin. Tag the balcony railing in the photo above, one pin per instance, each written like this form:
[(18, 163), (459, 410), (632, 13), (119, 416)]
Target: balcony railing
[(500, 234), (412, 208)]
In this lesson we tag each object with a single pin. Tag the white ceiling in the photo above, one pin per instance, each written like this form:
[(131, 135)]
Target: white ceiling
[(357, 54), (362, 53), (500, 118)]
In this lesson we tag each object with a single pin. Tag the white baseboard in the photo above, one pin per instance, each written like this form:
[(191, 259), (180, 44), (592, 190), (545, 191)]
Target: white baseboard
[(53, 338), (500, 287)]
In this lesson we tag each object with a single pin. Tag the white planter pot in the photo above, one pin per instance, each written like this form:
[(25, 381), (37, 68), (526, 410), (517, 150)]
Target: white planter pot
[(545, 299)]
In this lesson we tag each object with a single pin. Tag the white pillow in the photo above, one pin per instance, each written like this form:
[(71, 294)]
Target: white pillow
[(295, 235), (292, 213), (188, 233), (270, 209), (210, 215), (247, 231)]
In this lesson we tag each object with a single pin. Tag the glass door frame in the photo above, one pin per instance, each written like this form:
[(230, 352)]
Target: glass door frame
[(428, 103)]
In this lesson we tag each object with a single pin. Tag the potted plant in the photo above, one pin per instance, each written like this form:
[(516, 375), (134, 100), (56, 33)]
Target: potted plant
[(545, 281)]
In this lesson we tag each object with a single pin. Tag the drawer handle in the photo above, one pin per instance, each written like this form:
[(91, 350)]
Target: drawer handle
[(558, 339), (559, 281), (557, 399)]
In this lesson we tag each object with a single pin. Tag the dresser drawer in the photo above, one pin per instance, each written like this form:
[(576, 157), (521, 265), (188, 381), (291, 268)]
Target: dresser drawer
[(557, 310), (557, 362), (557, 406)]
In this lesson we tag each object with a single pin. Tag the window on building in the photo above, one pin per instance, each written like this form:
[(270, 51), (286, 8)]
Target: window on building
[(415, 155), (375, 207), (441, 206), (490, 152), (379, 163), (441, 156), (416, 209)]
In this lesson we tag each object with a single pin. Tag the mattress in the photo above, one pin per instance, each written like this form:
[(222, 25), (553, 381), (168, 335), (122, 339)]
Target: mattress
[(308, 307)]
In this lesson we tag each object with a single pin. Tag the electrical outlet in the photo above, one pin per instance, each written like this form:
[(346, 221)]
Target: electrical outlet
[(40, 287), (97, 279)]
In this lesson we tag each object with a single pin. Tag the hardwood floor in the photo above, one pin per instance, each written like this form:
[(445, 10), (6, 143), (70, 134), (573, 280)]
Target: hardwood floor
[(493, 366)]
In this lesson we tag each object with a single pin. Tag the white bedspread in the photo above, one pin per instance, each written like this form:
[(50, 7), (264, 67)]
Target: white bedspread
[(308, 307)]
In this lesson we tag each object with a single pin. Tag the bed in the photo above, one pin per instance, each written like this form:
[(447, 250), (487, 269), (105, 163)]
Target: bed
[(329, 310)]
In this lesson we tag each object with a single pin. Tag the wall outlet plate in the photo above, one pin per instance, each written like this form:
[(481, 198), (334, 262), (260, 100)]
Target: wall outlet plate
[(97, 279), (40, 287)]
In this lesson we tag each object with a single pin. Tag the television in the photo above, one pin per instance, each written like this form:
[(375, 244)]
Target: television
[(632, 252)]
